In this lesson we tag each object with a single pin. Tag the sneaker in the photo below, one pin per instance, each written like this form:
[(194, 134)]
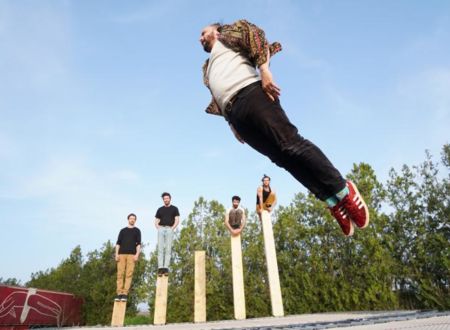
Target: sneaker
[(355, 206), (166, 272), (341, 215), (160, 272), (123, 297), (117, 298)]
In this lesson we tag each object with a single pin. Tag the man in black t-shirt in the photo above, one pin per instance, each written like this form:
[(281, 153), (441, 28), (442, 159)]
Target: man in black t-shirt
[(166, 220), (128, 248)]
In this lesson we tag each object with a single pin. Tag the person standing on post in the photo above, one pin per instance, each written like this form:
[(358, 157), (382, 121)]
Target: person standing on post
[(235, 217), (128, 248), (166, 220), (249, 102), (265, 196)]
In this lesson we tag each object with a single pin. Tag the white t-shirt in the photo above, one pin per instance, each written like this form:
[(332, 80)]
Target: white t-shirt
[(228, 72)]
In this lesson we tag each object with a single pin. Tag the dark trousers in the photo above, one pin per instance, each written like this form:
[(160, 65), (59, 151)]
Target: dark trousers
[(264, 126)]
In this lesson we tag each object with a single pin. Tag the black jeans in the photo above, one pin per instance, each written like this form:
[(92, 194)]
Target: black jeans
[(264, 126)]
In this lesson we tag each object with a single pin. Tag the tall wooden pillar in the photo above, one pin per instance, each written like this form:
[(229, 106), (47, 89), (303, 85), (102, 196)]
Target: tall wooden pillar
[(162, 283), (118, 315), (272, 265), (238, 278), (200, 287)]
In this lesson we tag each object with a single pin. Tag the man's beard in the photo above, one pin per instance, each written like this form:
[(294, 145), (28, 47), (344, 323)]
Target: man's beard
[(207, 47)]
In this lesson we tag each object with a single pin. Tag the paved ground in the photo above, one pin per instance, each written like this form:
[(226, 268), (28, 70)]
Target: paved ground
[(411, 320)]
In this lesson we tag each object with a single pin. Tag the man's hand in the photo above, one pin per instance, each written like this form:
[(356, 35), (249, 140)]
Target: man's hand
[(236, 134), (236, 232), (136, 257), (268, 85), (117, 257)]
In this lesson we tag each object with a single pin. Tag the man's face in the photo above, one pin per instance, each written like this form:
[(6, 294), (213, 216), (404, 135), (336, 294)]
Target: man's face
[(235, 203), (266, 182), (208, 38), (166, 200), (132, 220)]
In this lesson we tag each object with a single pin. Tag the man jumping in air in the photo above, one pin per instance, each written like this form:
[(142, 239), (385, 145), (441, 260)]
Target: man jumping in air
[(250, 104)]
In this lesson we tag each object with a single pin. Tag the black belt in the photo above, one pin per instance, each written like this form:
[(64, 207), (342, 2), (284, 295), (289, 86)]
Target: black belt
[(242, 92)]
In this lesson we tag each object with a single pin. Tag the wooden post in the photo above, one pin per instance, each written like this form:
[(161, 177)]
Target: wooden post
[(200, 287), (272, 265), (162, 283), (118, 315), (238, 278)]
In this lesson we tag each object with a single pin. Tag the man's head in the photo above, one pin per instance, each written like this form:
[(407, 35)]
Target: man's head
[(209, 36), (166, 198), (235, 200), (131, 219), (265, 180)]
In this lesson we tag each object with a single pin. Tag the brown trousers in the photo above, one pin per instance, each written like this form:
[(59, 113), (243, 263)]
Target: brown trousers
[(125, 268), (268, 203)]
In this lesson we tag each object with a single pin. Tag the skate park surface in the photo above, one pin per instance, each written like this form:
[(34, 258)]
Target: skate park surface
[(404, 319)]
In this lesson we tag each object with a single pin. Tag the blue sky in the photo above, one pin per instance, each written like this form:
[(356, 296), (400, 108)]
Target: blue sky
[(102, 108)]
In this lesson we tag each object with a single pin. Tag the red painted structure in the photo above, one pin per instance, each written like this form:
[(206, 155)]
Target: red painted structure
[(21, 308)]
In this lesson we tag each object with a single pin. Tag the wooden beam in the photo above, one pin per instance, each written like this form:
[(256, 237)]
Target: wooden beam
[(162, 283), (272, 265), (200, 287), (118, 315), (238, 278)]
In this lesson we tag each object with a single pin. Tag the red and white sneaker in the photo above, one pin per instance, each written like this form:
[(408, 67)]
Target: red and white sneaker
[(341, 215), (355, 206)]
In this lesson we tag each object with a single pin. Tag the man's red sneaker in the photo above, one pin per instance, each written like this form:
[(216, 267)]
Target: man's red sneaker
[(342, 217), (355, 206)]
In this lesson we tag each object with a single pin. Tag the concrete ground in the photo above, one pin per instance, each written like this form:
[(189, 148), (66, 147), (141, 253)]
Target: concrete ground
[(429, 320)]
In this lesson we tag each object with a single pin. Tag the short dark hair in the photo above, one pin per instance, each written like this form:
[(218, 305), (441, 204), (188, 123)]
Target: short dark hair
[(166, 194), (265, 177), (236, 198), (131, 215)]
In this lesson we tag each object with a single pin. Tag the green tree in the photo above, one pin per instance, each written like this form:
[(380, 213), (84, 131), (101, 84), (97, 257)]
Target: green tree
[(93, 280), (420, 233), (320, 269), (10, 281)]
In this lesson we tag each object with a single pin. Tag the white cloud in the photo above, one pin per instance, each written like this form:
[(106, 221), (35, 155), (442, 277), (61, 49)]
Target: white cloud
[(69, 189)]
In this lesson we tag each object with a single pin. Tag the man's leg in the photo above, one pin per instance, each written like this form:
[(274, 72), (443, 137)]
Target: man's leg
[(161, 247), (121, 264), (265, 127), (128, 273), (169, 239)]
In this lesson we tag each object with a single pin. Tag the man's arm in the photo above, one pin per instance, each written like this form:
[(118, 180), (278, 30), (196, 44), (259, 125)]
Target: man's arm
[(243, 36), (157, 220), (138, 251), (138, 245), (268, 85), (244, 219), (177, 221), (117, 252), (260, 198), (227, 221)]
